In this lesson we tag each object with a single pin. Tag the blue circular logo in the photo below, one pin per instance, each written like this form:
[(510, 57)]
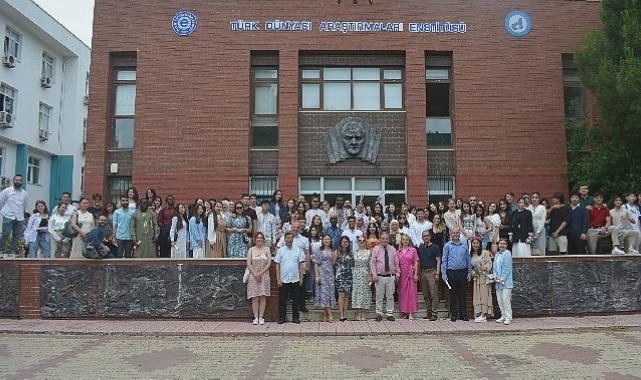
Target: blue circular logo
[(184, 23), (518, 23)]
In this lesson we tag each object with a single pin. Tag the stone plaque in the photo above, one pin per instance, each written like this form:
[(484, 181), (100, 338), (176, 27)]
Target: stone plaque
[(352, 137)]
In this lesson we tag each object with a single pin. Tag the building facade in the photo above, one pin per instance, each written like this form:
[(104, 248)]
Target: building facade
[(404, 99), (43, 102)]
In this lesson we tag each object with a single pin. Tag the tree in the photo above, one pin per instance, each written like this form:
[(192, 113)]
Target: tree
[(610, 66)]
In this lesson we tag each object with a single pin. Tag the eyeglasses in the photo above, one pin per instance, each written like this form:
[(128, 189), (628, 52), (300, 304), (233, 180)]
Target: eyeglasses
[(239, 208), (361, 241)]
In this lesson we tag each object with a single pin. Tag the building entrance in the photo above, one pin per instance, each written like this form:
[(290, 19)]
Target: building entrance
[(384, 190)]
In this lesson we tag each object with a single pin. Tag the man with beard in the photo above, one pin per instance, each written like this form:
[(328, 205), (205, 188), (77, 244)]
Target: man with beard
[(12, 207)]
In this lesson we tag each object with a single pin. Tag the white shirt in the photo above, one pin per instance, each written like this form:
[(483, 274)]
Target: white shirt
[(634, 211), (300, 241), (267, 225), (538, 218), (12, 202), (56, 224), (68, 212), (621, 219), (416, 231), (353, 236)]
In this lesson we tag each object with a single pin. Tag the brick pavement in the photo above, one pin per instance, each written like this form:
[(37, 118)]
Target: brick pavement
[(366, 328), (602, 354)]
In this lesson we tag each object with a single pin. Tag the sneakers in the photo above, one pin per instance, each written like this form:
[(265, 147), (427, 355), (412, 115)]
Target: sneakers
[(617, 251), (390, 318), (500, 320), (255, 321), (507, 322), (633, 252), (261, 321), (480, 319), (379, 318)]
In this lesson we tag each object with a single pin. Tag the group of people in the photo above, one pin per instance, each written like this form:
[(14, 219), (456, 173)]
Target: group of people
[(338, 254)]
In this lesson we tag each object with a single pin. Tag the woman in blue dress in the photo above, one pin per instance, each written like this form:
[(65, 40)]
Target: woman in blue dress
[(238, 227), (325, 258)]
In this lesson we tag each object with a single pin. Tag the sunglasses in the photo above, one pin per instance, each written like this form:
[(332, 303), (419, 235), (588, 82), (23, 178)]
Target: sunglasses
[(239, 208)]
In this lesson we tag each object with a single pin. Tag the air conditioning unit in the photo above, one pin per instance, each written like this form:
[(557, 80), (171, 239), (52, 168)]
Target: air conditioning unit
[(46, 82), (9, 60), (6, 119), (44, 135)]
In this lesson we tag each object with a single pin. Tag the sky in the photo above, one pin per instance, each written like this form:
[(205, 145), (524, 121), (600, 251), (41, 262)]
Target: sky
[(75, 15)]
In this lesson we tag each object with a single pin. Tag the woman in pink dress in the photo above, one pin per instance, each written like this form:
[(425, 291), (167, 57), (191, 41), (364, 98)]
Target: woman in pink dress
[(407, 289)]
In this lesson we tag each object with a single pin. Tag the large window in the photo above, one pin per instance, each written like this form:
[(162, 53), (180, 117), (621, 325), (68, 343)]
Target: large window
[(265, 107), (124, 110), (573, 90), (7, 98), (12, 42), (117, 187), (44, 119), (33, 171), (48, 64), (371, 189), (441, 188), (351, 88), (263, 187), (438, 122)]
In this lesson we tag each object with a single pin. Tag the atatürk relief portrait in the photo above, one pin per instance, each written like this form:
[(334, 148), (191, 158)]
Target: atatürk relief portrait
[(352, 137)]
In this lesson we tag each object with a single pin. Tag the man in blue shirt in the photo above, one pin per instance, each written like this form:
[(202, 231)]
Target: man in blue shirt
[(334, 231), (122, 228), (455, 270), (290, 266)]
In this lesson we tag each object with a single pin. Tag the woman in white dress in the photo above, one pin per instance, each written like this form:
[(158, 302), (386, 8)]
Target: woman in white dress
[(60, 245), (178, 233), (82, 222)]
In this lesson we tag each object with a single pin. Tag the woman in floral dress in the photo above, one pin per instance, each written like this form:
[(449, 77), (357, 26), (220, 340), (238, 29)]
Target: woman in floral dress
[(325, 258), (362, 291), (258, 285), (407, 289), (345, 261), (237, 227)]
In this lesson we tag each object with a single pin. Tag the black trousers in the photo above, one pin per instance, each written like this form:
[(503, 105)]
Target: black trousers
[(125, 248), (576, 246), (287, 291), (458, 281), (163, 241)]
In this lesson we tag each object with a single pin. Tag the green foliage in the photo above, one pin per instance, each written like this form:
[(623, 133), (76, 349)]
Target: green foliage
[(610, 66)]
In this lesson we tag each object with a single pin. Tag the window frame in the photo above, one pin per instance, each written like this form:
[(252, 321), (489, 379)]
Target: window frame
[(450, 82), (34, 164), (273, 120), (51, 64), (114, 117), (573, 81), (355, 194), (44, 109), (321, 82), (8, 34)]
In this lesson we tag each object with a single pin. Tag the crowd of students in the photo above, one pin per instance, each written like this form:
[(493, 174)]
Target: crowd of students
[(323, 250)]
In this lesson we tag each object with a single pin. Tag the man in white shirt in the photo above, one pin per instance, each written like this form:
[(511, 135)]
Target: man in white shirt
[(267, 223), (66, 199), (625, 234), (302, 243), (416, 229), (352, 232), (313, 211), (12, 206), (633, 208)]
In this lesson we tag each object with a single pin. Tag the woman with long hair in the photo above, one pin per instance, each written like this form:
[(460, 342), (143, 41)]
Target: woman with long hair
[(493, 220), (325, 258), (150, 195), (277, 206), (82, 222), (216, 232), (345, 261), (407, 283), (145, 230), (290, 209), (37, 235), (468, 221), (505, 214), (439, 231), (60, 245), (132, 194), (502, 270), (372, 236), (178, 232), (482, 296), (197, 232), (521, 230), (259, 260), (361, 280), (238, 226)]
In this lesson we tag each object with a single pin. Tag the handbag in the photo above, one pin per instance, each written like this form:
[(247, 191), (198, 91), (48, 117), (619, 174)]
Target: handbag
[(246, 276), (68, 231)]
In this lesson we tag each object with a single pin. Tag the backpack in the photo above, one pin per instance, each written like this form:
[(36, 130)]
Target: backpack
[(68, 231)]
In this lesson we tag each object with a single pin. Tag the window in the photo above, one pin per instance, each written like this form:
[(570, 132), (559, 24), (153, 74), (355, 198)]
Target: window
[(387, 189), (573, 90), (44, 119), (48, 64), (438, 123), (1, 161), (124, 111), (12, 41), (351, 88), (441, 188), (33, 171), (7, 98), (263, 187), (265, 107), (117, 187)]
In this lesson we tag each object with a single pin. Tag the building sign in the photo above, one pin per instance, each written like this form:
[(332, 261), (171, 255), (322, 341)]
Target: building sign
[(184, 23), (518, 23), (347, 26)]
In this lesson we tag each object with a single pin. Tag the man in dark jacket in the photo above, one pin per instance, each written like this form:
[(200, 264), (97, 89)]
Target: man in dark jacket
[(578, 225)]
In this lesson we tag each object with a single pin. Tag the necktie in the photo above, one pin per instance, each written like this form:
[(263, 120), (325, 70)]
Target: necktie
[(386, 261)]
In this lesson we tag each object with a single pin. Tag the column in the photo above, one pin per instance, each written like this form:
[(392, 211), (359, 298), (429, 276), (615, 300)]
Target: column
[(416, 137), (288, 123), (22, 159), (61, 178)]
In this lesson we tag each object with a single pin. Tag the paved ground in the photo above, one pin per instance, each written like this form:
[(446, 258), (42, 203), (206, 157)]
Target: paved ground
[(367, 328), (606, 353)]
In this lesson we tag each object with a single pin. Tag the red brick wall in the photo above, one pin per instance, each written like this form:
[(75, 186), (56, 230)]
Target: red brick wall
[(192, 132)]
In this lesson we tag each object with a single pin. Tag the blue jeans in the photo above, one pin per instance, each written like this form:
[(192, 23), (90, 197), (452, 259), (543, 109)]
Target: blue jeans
[(13, 227), (42, 242)]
